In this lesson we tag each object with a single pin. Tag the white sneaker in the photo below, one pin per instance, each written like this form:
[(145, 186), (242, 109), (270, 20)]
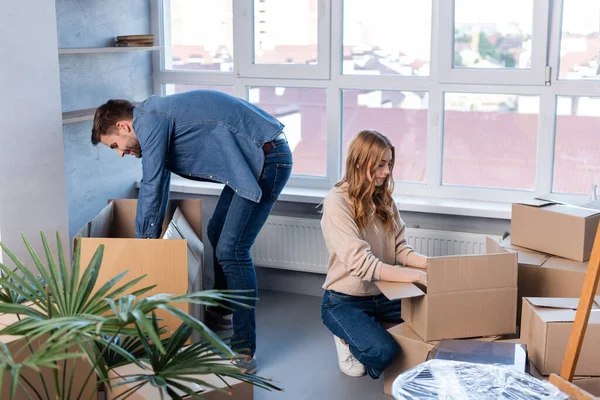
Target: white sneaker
[(348, 364)]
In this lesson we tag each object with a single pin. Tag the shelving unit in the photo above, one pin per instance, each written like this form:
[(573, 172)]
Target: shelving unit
[(92, 50)]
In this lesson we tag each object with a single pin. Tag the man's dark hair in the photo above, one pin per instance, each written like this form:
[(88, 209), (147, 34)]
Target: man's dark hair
[(107, 116)]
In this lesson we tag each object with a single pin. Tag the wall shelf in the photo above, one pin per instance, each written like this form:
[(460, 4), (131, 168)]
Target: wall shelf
[(87, 114), (70, 117), (91, 50)]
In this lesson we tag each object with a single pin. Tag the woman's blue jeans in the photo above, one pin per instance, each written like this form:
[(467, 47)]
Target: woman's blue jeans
[(355, 320)]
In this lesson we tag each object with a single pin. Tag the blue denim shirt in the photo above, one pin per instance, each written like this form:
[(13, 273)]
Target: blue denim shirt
[(202, 134)]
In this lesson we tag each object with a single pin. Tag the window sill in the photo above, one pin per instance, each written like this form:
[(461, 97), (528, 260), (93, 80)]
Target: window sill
[(468, 208)]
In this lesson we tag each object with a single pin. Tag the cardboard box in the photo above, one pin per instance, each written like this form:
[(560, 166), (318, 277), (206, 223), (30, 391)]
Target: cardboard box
[(543, 275), (165, 262), (413, 351), (20, 351), (467, 296), (554, 228), (590, 384), (239, 390), (546, 325)]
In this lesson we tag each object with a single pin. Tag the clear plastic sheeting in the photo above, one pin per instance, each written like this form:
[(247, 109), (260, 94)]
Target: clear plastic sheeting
[(455, 380)]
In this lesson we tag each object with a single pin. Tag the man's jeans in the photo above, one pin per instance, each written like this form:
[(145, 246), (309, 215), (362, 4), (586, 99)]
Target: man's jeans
[(354, 319), (232, 231)]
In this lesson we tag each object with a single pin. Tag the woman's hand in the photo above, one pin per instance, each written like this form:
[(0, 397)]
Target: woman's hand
[(421, 277)]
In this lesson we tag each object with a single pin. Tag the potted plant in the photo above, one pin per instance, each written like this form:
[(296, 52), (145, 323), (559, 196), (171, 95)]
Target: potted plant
[(61, 321)]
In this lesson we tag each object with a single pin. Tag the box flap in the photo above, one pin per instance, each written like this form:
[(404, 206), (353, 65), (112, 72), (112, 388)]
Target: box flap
[(493, 247), (100, 225), (123, 222), (537, 202), (565, 264), (471, 272), (573, 211), (557, 302), (525, 256), (551, 309), (399, 290)]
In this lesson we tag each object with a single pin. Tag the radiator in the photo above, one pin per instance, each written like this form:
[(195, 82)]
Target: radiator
[(297, 243)]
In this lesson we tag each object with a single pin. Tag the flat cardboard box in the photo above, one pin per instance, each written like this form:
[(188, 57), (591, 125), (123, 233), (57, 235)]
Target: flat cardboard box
[(506, 354), (467, 296), (546, 325), (543, 275), (590, 384), (238, 390), (560, 229), (164, 262), (20, 350), (414, 351)]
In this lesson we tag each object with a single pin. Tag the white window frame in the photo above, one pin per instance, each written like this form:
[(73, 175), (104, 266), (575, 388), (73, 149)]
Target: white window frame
[(243, 33), (563, 87), (510, 76), (441, 80)]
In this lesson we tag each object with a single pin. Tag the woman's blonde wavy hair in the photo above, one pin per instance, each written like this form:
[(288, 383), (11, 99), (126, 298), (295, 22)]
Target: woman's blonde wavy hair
[(366, 151)]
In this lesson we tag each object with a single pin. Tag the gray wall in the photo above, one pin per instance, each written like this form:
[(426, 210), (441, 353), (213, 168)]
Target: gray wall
[(95, 174), (310, 283), (32, 181)]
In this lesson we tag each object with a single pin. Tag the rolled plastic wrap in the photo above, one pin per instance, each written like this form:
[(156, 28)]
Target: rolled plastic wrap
[(455, 380)]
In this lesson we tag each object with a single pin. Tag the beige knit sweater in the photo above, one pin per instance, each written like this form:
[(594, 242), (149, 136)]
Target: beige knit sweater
[(355, 258)]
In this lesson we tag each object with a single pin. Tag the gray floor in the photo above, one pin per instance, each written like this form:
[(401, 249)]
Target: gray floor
[(296, 350)]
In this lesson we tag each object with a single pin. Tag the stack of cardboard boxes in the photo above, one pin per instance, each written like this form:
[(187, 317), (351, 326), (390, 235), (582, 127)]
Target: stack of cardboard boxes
[(480, 296)]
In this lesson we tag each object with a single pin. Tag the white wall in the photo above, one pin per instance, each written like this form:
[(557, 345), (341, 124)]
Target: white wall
[(32, 163)]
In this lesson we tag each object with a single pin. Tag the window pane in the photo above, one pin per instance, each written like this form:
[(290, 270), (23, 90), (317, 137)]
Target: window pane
[(490, 140), (302, 111), (173, 88), (201, 33), (577, 145), (285, 32), (401, 116), (579, 45), (387, 37), (493, 34)]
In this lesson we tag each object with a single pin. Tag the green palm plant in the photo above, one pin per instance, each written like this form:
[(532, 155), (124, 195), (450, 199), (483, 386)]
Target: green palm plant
[(58, 307)]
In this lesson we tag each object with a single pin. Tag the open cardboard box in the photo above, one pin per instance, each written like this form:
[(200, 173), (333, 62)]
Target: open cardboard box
[(466, 296), (546, 325), (554, 228), (165, 262), (543, 275)]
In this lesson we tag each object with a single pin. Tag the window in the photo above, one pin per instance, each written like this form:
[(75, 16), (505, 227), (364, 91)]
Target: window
[(492, 35), (287, 34), (302, 111), (369, 48), (577, 146), (401, 116), (486, 100), (579, 46), (197, 39), (490, 140), (172, 89)]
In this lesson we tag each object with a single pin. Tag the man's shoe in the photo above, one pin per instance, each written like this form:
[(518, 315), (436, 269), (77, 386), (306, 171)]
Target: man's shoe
[(349, 365), (246, 366)]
